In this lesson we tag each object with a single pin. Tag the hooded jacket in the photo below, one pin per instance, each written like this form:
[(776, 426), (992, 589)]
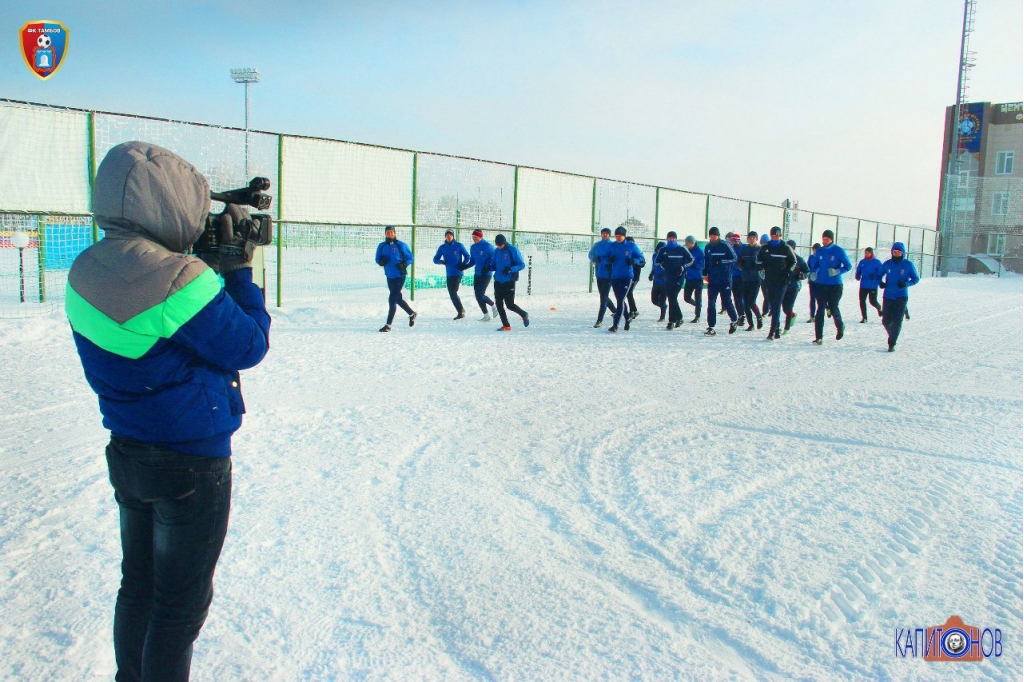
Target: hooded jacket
[(674, 259), (504, 259), (619, 259), (479, 254), (831, 257), (453, 257), (597, 253), (393, 255), (869, 273), (718, 261), (695, 270), (899, 275), (160, 339)]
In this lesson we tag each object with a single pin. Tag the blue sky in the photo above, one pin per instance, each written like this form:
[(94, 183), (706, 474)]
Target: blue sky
[(836, 104)]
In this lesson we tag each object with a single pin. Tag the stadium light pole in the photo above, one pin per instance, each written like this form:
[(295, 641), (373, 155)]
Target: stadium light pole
[(246, 76)]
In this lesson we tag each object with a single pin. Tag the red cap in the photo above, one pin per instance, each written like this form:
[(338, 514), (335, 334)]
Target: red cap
[(478, 233)]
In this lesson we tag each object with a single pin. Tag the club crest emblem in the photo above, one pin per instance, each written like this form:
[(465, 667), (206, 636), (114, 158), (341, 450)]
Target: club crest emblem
[(44, 45)]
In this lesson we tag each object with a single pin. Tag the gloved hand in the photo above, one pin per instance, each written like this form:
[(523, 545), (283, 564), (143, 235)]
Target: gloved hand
[(403, 268), (611, 259), (881, 285), (704, 273), (832, 272), (507, 271), (650, 277), (465, 266), (238, 236), (814, 277), (857, 277), (901, 284), (629, 260), (383, 261)]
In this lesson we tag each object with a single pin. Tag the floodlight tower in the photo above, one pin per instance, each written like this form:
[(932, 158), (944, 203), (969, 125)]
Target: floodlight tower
[(958, 184), (246, 76)]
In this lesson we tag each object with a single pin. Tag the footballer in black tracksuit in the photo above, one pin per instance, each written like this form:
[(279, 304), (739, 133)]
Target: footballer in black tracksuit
[(777, 260)]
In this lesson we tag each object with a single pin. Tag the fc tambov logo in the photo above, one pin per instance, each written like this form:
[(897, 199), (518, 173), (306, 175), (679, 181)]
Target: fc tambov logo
[(44, 45)]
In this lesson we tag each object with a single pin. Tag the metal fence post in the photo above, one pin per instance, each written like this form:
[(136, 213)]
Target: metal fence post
[(280, 216), (41, 240), (515, 205), (593, 226), (707, 216), (92, 171), (412, 282)]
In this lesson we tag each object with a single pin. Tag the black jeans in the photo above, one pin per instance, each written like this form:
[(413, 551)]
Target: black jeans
[(812, 289), (621, 289), (828, 299), (604, 287), (453, 292), (658, 297), (775, 293), (505, 293), (693, 293), (714, 292), (480, 283), (174, 516), (750, 309), (892, 317), (866, 294), (395, 299)]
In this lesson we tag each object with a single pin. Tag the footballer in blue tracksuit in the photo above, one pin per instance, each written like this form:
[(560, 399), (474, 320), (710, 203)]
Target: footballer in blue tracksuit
[(602, 273), (505, 263), (811, 262), (455, 258), (735, 241), (657, 277), (869, 274), (830, 262), (796, 276), (898, 273), (621, 256), (751, 275), (479, 254), (674, 259), (693, 291), (395, 257), (719, 259)]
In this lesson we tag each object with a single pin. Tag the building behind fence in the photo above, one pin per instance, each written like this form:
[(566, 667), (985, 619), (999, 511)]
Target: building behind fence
[(332, 198)]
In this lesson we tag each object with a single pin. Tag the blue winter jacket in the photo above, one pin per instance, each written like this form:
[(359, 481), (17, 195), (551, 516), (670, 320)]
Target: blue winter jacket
[(453, 256), (897, 273), (658, 272), (831, 257), (746, 259), (718, 261), (675, 258), (504, 259), (622, 257), (392, 255), (596, 256), (479, 254), (695, 270), (869, 273)]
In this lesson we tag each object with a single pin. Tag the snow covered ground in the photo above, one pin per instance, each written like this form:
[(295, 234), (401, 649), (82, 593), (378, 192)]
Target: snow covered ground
[(557, 502)]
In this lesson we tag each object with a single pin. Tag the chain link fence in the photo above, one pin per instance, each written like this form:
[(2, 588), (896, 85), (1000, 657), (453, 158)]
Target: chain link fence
[(332, 199)]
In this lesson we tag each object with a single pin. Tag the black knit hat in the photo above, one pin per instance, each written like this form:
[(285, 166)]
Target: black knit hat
[(449, 232), (714, 231), (671, 235), (620, 230), (790, 243), (776, 230), (830, 234), (753, 233), (389, 227), (499, 240), (605, 230)]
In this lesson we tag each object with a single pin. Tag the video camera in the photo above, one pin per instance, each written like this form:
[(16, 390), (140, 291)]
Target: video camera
[(260, 231)]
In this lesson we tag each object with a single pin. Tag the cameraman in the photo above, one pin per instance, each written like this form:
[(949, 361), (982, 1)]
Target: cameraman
[(161, 342)]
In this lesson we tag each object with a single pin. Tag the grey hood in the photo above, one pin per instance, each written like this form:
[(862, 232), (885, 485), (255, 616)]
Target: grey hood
[(143, 190)]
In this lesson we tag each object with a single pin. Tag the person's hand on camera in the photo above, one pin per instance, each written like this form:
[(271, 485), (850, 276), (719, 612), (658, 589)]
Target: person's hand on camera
[(237, 238)]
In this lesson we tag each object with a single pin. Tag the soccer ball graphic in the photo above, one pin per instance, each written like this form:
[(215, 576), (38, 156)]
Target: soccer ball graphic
[(43, 41)]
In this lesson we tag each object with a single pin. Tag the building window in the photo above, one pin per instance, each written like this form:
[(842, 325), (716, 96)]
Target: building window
[(1004, 163), (996, 245), (963, 179), (1001, 203)]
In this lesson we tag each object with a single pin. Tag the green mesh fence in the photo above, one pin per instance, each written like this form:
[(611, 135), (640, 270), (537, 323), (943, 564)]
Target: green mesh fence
[(332, 199)]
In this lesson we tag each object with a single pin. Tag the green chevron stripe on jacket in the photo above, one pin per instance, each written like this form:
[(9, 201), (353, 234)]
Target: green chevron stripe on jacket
[(136, 336)]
